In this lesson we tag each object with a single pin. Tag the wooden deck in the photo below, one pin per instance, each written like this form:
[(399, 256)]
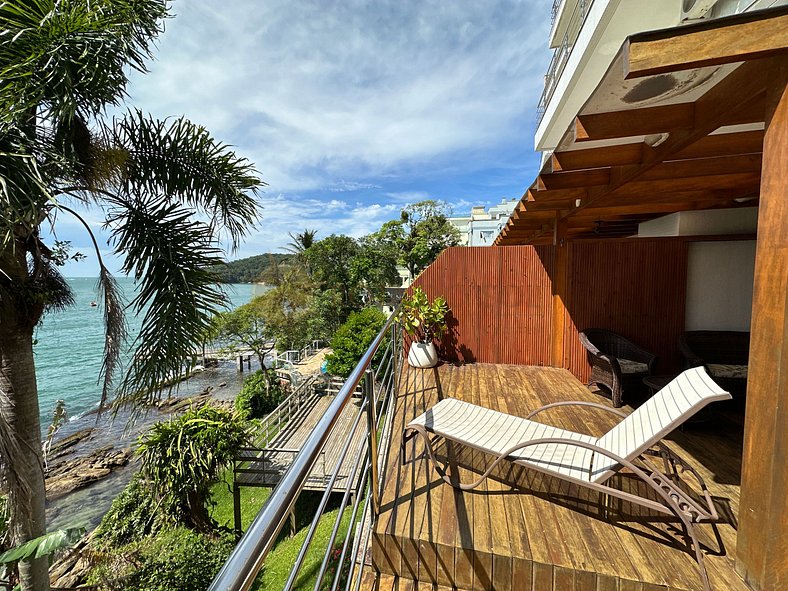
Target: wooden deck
[(522, 530), (272, 462)]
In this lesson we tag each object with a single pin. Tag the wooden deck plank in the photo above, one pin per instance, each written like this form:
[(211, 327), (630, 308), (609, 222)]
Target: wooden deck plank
[(550, 534)]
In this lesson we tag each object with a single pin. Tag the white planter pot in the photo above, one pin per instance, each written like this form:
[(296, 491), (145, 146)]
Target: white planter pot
[(422, 355)]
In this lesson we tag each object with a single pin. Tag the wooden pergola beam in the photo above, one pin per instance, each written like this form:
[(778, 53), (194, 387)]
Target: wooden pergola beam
[(633, 122), (744, 86), (724, 144), (674, 169), (746, 36)]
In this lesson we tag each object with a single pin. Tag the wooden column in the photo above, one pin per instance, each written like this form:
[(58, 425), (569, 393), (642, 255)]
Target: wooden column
[(761, 556), (560, 295)]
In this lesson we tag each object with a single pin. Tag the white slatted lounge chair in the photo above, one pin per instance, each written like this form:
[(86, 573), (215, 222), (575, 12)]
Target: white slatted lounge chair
[(583, 459)]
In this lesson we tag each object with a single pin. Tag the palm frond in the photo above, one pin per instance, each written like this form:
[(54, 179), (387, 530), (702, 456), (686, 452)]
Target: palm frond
[(179, 162), (72, 57), (114, 331), (170, 256)]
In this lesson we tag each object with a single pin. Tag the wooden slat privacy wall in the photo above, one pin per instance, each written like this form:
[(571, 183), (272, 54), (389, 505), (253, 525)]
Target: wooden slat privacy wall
[(501, 300)]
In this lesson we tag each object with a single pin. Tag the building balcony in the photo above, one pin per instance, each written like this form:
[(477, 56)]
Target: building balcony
[(524, 530)]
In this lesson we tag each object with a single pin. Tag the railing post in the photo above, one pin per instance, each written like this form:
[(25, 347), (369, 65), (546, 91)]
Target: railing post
[(372, 440), (394, 356)]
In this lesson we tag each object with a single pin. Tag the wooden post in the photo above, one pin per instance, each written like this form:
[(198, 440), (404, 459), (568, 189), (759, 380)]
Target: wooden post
[(560, 293), (237, 511), (761, 557), (240, 362)]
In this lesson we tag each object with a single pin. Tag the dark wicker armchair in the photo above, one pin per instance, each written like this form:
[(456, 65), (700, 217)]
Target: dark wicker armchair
[(724, 353), (616, 362)]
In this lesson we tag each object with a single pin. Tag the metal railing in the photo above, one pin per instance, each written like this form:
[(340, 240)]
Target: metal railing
[(377, 372), (561, 53), (272, 424)]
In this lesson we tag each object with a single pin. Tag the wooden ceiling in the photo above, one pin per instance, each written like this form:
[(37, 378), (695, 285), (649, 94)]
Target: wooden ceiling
[(676, 124)]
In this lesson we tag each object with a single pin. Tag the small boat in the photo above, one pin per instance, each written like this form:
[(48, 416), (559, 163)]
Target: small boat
[(93, 304)]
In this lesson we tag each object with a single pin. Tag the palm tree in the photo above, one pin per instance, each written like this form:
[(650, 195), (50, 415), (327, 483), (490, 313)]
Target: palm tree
[(301, 241), (168, 192)]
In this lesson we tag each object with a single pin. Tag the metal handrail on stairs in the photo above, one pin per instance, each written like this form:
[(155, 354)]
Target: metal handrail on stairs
[(378, 372)]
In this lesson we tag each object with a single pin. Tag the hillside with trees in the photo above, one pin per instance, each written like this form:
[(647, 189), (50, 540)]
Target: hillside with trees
[(250, 269)]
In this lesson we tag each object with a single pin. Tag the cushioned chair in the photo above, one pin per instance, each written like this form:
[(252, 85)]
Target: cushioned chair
[(616, 362), (585, 460), (724, 353)]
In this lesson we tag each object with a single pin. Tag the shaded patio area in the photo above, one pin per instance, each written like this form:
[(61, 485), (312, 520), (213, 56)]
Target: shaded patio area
[(524, 530)]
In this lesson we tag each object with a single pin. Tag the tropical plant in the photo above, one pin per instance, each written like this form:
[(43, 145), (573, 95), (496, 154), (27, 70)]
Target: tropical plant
[(167, 191), (261, 393), (135, 513), (422, 318), (301, 241), (184, 456), (176, 559), (286, 308), (421, 234), (353, 339)]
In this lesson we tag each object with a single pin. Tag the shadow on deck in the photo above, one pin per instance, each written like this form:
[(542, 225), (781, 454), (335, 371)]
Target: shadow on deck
[(524, 530)]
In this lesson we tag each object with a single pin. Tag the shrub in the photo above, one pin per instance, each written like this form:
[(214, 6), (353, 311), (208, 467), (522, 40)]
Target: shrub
[(174, 560), (261, 393), (184, 456), (353, 339), (134, 514)]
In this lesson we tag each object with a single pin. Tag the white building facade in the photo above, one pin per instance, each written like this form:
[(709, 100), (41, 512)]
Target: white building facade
[(482, 227)]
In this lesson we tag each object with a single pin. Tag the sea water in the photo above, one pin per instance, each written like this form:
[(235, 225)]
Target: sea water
[(69, 347)]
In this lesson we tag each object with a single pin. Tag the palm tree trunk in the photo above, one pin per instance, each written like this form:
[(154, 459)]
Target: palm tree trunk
[(20, 429), (19, 412)]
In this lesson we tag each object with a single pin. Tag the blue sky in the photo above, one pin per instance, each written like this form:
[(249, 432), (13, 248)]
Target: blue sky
[(352, 109)]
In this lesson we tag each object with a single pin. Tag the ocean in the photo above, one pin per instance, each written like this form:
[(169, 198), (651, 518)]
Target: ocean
[(69, 347)]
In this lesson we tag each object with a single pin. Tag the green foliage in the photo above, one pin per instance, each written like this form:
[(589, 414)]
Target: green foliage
[(135, 513), (420, 235), (250, 269), (242, 328), (178, 559), (286, 308), (261, 393), (43, 545), (184, 456), (353, 339), (422, 318)]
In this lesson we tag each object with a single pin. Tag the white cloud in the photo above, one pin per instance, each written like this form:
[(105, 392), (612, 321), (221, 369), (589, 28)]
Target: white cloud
[(317, 92)]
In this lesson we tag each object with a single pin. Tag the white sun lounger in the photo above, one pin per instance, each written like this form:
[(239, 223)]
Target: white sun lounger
[(583, 459)]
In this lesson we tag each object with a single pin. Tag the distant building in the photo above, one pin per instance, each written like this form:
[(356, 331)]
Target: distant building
[(481, 228)]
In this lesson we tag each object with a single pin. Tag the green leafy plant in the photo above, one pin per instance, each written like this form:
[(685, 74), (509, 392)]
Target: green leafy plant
[(178, 559), (352, 340), (422, 318), (184, 456), (134, 514), (43, 545), (261, 393)]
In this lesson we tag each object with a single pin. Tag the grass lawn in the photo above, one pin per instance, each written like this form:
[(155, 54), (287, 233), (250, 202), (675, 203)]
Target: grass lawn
[(281, 559)]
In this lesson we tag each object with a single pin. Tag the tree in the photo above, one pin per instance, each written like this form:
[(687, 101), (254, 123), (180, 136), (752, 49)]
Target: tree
[(353, 339), (301, 241), (245, 328), (166, 189), (286, 308), (420, 235), (184, 456)]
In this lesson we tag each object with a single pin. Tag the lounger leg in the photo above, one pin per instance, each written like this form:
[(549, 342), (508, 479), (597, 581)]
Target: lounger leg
[(698, 554)]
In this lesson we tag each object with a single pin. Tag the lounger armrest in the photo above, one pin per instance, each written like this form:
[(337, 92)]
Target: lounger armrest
[(615, 411)]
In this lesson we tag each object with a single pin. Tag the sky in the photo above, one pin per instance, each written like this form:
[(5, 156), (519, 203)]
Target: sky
[(349, 109)]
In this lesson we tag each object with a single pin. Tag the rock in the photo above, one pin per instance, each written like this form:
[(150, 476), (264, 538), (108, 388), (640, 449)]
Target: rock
[(72, 567), (65, 445), (71, 475)]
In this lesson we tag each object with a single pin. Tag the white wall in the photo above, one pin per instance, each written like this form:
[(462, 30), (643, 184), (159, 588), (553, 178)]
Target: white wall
[(719, 285)]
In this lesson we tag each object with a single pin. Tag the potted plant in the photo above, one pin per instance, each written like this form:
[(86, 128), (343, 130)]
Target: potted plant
[(424, 321)]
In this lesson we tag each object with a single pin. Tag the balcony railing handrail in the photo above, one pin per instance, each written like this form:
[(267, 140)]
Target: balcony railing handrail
[(562, 52), (239, 571)]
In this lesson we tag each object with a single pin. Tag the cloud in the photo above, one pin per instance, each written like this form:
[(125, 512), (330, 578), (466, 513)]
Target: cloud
[(317, 92), (344, 186)]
